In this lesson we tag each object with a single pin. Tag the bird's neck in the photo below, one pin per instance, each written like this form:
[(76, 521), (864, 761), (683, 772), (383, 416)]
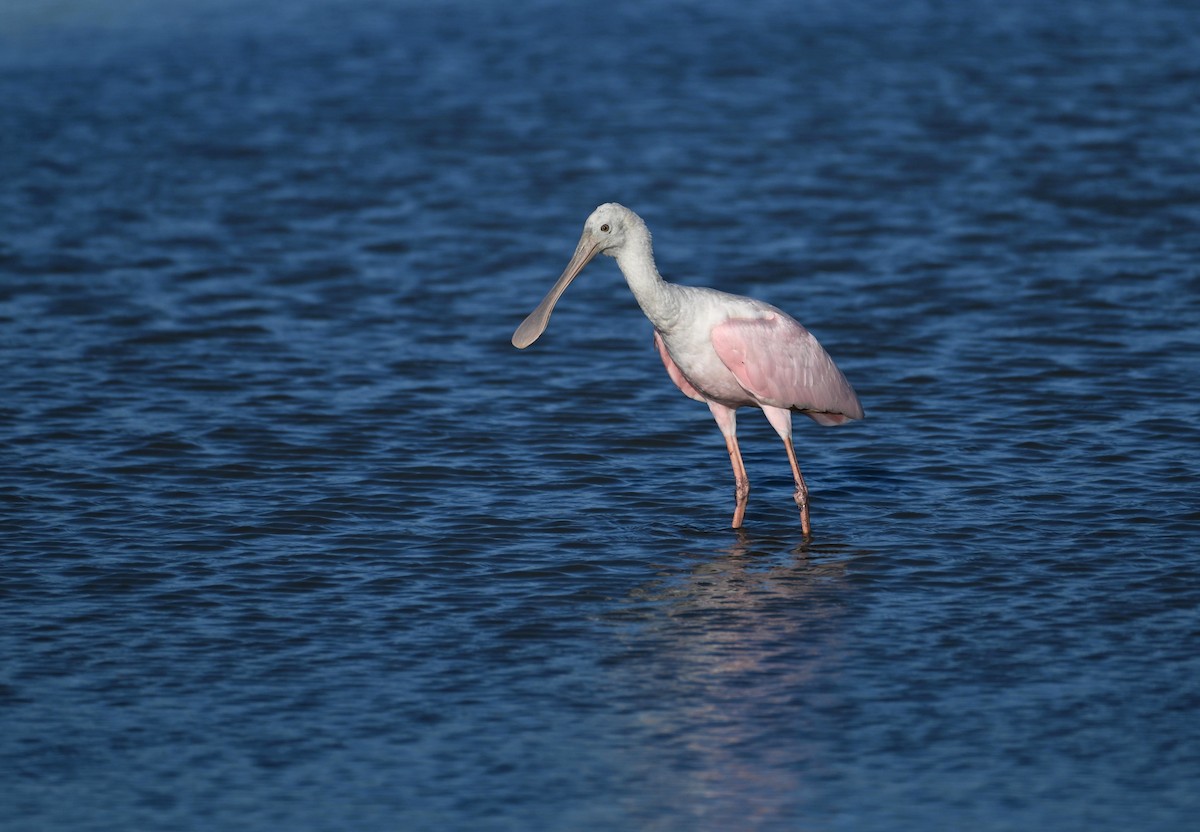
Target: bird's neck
[(654, 295)]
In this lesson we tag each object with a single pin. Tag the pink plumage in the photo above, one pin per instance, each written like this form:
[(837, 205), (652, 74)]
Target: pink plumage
[(781, 364)]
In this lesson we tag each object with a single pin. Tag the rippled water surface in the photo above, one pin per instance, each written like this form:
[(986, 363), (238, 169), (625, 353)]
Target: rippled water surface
[(294, 539)]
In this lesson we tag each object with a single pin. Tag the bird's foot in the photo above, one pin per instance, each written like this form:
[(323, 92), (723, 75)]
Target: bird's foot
[(802, 504), (741, 497), (738, 514)]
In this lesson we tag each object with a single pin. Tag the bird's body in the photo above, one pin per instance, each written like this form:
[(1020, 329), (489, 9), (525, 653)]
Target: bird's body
[(688, 341), (725, 350)]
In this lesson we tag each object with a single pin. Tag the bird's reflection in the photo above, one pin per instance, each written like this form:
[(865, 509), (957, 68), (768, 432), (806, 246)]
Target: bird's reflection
[(736, 654)]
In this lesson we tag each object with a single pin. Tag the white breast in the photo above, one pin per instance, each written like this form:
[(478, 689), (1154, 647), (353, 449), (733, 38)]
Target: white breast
[(689, 341)]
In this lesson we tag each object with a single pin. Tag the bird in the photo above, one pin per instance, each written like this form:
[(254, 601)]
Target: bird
[(722, 349)]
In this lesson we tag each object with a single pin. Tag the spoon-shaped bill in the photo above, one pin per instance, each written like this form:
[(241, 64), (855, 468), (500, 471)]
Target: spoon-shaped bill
[(535, 324)]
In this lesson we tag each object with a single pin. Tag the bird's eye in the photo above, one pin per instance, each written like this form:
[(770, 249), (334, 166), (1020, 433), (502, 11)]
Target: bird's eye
[(604, 228)]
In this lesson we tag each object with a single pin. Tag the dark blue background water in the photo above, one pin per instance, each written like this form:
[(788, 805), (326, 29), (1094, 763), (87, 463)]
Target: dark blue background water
[(293, 537)]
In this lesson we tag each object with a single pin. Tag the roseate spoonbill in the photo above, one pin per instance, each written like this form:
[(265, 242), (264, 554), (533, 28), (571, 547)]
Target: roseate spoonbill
[(725, 350)]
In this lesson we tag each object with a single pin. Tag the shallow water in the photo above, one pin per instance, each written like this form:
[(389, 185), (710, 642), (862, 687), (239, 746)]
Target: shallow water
[(295, 539)]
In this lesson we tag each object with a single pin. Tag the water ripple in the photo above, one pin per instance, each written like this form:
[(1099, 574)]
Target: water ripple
[(293, 536)]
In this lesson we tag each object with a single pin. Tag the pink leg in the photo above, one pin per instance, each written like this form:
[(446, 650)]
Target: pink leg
[(781, 420), (801, 489), (727, 421)]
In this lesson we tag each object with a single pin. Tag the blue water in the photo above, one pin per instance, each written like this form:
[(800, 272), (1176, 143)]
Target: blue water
[(294, 539)]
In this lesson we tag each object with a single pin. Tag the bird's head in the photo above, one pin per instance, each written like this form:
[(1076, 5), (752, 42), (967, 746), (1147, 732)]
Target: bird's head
[(609, 228)]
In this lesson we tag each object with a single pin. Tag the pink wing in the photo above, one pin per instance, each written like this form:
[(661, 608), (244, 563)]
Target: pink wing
[(781, 364), (673, 371)]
